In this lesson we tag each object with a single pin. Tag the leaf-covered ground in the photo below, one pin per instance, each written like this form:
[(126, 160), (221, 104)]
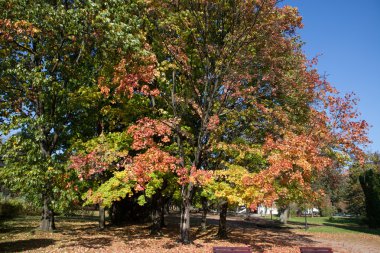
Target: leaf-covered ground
[(82, 235)]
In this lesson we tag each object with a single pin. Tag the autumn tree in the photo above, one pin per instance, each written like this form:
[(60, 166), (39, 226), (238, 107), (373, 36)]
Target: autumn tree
[(225, 99), (235, 71), (52, 56), (217, 60)]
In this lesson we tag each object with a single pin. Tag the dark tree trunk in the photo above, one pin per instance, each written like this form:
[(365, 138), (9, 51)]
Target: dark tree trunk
[(306, 226), (185, 214), (102, 217), (204, 213), (156, 222), (247, 213), (47, 219), (284, 215), (162, 214), (115, 214), (167, 206), (156, 215), (222, 232)]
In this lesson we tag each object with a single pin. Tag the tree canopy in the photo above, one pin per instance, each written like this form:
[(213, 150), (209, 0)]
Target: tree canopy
[(166, 100)]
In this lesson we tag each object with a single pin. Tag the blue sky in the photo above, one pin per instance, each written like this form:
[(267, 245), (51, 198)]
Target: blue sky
[(347, 34)]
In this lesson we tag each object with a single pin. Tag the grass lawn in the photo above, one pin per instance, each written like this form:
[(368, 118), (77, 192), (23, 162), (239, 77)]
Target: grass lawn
[(331, 225)]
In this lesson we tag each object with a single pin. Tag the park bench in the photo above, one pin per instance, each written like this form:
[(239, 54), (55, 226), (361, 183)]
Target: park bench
[(316, 250), (232, 250)]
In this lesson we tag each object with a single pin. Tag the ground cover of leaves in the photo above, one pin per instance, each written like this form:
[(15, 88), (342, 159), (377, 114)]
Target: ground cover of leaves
[(81, 235)]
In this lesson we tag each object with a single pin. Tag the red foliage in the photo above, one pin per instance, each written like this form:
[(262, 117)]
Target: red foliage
[(88, 165), (132, 75), (144, 131)]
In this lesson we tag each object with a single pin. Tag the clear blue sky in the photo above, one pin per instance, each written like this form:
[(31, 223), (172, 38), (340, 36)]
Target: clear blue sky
[(347, 34)]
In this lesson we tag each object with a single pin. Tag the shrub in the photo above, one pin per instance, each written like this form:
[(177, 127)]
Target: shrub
[(13, 207)]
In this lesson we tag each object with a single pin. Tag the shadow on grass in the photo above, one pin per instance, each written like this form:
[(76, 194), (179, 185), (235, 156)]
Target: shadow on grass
[(349, 224), (25, 245), (17, 226), (361, 229)]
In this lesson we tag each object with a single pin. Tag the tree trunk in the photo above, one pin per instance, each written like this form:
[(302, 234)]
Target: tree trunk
[(156, 222), (204, 213), (162, 214), (102, 218), (306, 226), (115, 214), (156, 216), (222, 232), (185, 214), (47, 219), (247, 213), (284, 215)]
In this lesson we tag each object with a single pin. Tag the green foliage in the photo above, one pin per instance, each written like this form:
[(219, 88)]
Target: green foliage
[(327, 209), (52, 56), (10, 208), (114, 189), (13, 207), (370, 182), (354, 194)]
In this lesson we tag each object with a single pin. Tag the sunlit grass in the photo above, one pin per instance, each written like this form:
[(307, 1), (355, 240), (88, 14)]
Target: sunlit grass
[(331, 225)]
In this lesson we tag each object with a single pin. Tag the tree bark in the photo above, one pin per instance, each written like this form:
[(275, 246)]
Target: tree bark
[(162, 214), (47, 219), (222, 232), (284, 215), (102, 217), (247, 213), (157, 215), (185, 214), (156, 223), (306, 226), (204, 213)]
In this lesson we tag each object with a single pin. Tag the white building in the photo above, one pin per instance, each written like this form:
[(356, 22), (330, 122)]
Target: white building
[(262, 210)]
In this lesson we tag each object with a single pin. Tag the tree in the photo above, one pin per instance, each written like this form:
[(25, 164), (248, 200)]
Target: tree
[(227, 91), (213, 59), (235, 70), (370, 182), (52, 55), (354, 195)]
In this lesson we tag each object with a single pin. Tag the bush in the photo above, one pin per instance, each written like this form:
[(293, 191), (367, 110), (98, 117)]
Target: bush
[(13, 207), (10, 208)]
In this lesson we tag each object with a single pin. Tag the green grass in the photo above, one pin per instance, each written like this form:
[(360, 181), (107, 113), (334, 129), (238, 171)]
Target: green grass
[(331, 225)]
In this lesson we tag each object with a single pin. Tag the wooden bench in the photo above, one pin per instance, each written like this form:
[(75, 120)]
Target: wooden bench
[(316, 250), (232, 250)]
